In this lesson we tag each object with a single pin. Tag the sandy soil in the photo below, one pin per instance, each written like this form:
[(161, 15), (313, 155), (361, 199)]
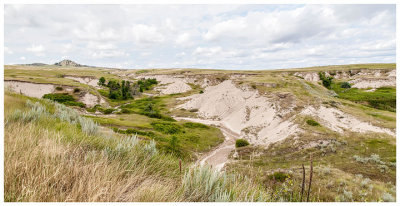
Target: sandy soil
[(239, 108), (170, 84), (30, 89), (85, 80), (363, 83), (308, 76), (339, 121), (90, 100), (173, 88), (392, 73)]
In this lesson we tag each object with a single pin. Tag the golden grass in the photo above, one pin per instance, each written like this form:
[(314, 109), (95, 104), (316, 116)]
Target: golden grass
[(40, 167)]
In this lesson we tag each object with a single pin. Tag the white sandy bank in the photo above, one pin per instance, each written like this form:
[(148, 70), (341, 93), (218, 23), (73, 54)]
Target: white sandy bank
[(339, 121), (85, 80), (170, 84), (29, 89), (238, 109)]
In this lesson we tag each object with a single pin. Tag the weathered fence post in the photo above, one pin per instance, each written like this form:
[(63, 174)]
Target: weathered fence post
[(180, 166), (303, 182), (311, 173)]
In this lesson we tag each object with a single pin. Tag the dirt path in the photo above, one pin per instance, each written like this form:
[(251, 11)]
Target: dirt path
[(218, 157)]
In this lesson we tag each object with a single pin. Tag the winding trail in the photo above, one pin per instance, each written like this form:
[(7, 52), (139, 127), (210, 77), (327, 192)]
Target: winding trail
[(218, 157)]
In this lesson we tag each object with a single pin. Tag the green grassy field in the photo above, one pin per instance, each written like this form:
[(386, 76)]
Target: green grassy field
[(382, 98)]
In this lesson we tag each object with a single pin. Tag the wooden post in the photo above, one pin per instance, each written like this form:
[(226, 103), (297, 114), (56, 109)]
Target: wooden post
[(303, 182), (309, 184), (180, 166)]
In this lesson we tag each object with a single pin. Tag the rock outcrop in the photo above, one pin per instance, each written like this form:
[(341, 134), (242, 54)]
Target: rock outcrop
[(67, 62)]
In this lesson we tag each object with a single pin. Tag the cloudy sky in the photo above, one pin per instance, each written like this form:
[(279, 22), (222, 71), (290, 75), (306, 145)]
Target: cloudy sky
[(201, 36)]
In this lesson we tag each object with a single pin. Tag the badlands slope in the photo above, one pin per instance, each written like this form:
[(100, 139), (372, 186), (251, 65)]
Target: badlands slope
[(270, 109)]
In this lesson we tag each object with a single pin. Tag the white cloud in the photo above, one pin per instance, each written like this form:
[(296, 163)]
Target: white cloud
[(38, 50), (183, 39), (22, 58), (35, 48), (207, 51), (145, 34), (7, 50), (108, 54), (100, 46)]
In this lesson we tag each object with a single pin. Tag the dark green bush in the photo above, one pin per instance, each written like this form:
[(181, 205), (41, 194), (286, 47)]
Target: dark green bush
[(201, 92), (126, 111), (145, 84), (64, 98), (59, 88), (59, 97), (195, 125), (166, 127), (326, 81), (108, 111), (345, 85), (241, 143), (71, 103), (102, 81), (312, 122), (278, 176), (76, 90)]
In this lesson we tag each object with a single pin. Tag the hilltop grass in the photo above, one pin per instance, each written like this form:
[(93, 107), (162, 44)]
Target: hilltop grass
[(50, 160), (383, 98), (337, 165)]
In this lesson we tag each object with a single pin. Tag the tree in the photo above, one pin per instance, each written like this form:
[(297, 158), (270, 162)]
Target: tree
[(326, 81), (102, 81)]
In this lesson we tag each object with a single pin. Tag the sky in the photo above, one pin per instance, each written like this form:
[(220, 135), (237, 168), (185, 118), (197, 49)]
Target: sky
[(239, 37)]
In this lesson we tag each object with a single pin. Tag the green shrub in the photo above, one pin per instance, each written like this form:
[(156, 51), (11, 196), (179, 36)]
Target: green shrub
[(241, 143), (146, 84), (345, 85), (166, 127), (36, 111), (312, 122), (173, 144), (201, 92), (59, 97), (72, 103), (108, 111), (278, 176), (77, 90), (125, 111), (59, 88), (193, 110), (102, 81), (326, 81), (195, 125), (64, 98)]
